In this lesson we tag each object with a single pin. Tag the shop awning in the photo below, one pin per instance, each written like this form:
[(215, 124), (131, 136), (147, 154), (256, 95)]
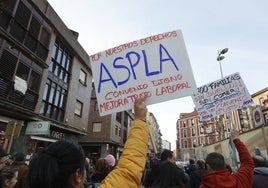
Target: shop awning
[(43, 139), (69, 129)]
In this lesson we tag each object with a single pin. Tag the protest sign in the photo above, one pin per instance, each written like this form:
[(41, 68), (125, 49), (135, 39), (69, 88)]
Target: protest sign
[(157, 67), (221, 96)]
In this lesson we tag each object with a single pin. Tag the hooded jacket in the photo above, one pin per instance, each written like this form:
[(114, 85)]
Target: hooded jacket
[(128, 172), (243, 178), (260, 179)]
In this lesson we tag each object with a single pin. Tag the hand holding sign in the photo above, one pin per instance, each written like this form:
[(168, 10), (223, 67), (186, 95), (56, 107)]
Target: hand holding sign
[(235, 133), (140, 109)]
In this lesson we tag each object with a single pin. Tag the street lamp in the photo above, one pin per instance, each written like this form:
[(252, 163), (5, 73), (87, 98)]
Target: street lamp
[(221, 57)]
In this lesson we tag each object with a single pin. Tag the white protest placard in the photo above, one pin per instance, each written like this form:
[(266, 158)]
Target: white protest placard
[(221, 96), (157, 67)]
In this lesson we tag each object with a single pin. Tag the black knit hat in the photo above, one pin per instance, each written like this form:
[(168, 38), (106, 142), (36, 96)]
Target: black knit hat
[(166, 154), (19, 157)]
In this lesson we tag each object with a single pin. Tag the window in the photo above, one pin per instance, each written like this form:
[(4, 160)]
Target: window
[(34, 82), (19, 75), (202, 141), (52, 92), (45, 37), (78, 108), (184, 133), (116, 130), (192, 122), (96, 106), (8, 64), (7, 7), (119, 132), (201, 130), (193, 132), (185, 144), (23, 71), (30, 31), (60, 62), (83, 77), (96, 127), (261, 101), (53, 101), (265, 117), (59, 76), (194, 143), (23, 14), (119, 117)]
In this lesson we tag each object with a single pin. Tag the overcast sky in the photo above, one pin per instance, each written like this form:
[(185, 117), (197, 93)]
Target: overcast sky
[(207, 26)]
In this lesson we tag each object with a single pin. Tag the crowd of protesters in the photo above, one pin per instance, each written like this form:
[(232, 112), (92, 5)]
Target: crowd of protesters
[(64, 164)]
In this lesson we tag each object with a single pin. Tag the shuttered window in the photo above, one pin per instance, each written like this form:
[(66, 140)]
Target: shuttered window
[(23, 15), (18, 32), (34, 27), (30, 30), (8, 65), (23, 71)]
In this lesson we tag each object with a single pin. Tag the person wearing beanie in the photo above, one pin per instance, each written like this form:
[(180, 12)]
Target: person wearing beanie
[(23, 169), (111, 160)]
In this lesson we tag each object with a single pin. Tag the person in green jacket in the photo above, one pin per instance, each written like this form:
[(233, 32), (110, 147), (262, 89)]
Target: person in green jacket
[(128, 172)]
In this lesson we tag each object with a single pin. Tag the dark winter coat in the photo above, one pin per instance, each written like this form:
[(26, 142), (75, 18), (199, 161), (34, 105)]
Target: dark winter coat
[(196, 177), (260, 179)]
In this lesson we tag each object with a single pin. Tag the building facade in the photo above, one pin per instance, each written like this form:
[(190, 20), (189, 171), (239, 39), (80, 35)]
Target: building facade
[(45, 78), (166, 145), (155, 139), (105, 134), (193, 135), (260, 99)]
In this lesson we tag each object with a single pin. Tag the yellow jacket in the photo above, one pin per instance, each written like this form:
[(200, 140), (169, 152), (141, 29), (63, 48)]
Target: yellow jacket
[(130, 167)]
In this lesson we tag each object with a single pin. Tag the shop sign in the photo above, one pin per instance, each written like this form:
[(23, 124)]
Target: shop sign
[(57, 135), (38, 128)]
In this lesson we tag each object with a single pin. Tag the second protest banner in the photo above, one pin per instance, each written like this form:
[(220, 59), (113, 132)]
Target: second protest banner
[(221, 96)]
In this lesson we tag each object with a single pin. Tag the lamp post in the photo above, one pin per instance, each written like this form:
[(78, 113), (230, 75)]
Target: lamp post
[(221, 57)]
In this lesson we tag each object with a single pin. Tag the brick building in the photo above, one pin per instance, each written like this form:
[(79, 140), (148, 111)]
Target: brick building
[(194, 135)]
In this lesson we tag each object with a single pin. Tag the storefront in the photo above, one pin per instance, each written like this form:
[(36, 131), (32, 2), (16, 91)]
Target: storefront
[(42, 133)]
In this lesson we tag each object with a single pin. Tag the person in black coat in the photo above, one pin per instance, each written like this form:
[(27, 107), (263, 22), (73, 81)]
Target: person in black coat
[(165, 173), (191, 167), (196, 175), (168, 176)]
